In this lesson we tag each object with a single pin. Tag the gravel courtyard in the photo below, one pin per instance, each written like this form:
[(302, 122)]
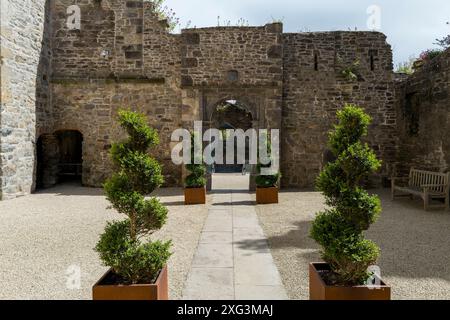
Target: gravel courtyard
[(47, 237), (415, 244)]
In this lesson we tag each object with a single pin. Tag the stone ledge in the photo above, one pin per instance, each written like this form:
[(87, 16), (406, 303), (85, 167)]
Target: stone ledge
[(138, 80)]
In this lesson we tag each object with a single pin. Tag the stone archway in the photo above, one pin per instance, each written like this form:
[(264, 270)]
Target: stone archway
[(58, 158), (231, 115), (263, 102), (70, 165)]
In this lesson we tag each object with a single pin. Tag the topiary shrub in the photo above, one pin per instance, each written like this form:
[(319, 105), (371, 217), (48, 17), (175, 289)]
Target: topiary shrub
[(120, 246), (339, 230), (196, 178), (266, 181)]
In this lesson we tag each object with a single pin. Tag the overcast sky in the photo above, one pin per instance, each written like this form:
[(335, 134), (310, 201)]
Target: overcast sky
[(410, 25)]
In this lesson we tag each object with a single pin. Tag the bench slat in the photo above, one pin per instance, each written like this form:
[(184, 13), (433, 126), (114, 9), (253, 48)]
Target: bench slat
[(437, 185)]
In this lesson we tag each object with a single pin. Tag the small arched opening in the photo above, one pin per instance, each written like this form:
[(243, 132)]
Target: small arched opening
[(70, 165), (231, 115), (58, 158)]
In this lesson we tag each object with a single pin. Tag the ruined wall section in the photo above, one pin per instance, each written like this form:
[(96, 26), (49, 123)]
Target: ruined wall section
[(314, 88), (424, 117), (122, 57), (240, 63), (255, 53)]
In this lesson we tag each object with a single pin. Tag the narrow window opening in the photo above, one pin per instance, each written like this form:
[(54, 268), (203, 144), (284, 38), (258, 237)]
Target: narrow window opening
[(316, 62), (372, 55)]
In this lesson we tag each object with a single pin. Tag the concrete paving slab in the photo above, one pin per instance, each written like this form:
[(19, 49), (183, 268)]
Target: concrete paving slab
[(213, 256), (233, 240), (210, 284), (256, 270), (218, 223), (216, 237), (249, 292)]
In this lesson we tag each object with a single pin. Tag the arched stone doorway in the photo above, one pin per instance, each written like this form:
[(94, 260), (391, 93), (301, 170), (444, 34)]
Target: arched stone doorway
[(70, 166), (262, 101), (59, 158), (231, 114)]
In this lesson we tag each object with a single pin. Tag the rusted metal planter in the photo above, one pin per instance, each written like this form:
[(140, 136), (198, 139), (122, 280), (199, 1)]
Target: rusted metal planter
[(267, 195), (147, 292), (194, 196), (319, 290)]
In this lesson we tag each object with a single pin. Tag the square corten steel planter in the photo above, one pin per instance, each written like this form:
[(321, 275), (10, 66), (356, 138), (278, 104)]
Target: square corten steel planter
[(148, 292), (194, 196), (319, 290), (266, 195)]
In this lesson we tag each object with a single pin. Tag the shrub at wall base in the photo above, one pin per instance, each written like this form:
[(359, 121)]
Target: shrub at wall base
[(195, 190), (267, 185), (339, 230), (137, 269)]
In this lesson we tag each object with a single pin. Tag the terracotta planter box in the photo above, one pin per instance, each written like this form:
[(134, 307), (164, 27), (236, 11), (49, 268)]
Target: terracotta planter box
[(157, 291), (194, 196), (319, 290), (266, 195)]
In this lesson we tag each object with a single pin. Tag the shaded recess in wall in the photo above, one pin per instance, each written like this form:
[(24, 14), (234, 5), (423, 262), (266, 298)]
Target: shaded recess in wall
[(411, 114)]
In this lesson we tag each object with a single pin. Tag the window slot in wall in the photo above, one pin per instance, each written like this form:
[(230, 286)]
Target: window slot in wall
[(372, 54), (316, 61)]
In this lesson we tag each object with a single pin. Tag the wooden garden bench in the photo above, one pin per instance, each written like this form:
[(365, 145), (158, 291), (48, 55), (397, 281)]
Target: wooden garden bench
[(425, 184)]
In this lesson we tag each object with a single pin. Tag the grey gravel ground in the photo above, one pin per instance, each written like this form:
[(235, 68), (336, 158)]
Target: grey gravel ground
[(45, 238), (415, 244)]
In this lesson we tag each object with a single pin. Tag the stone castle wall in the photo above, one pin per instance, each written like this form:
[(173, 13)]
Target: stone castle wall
[(424, 117), (123, 57), (314, 88), (232, 63), (24, 93)]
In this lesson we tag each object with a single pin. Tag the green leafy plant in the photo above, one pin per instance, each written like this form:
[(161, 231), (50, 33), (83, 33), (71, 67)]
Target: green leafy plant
[(137, 175), (266, 181), (430, 54), (196, 178), (165, 13), (406, 67), (350, 72), (339, 230)]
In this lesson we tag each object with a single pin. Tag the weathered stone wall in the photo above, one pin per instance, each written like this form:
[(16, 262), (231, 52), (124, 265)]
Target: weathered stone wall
[(91, 108), (314, 89), (424, 117), (122, 57), (24, 62), (235, 63), (211, 56)]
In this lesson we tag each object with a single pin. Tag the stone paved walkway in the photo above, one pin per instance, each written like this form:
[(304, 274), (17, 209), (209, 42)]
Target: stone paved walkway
[(233, 259)]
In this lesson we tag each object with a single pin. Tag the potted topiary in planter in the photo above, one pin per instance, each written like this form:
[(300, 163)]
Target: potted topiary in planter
[(137, 269), (339, 230), (195, 182), (266, 185)]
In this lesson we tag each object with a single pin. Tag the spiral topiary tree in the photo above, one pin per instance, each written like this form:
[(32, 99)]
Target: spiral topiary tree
[(266, 181), (196, 178), (137, 175), (339, 230)]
